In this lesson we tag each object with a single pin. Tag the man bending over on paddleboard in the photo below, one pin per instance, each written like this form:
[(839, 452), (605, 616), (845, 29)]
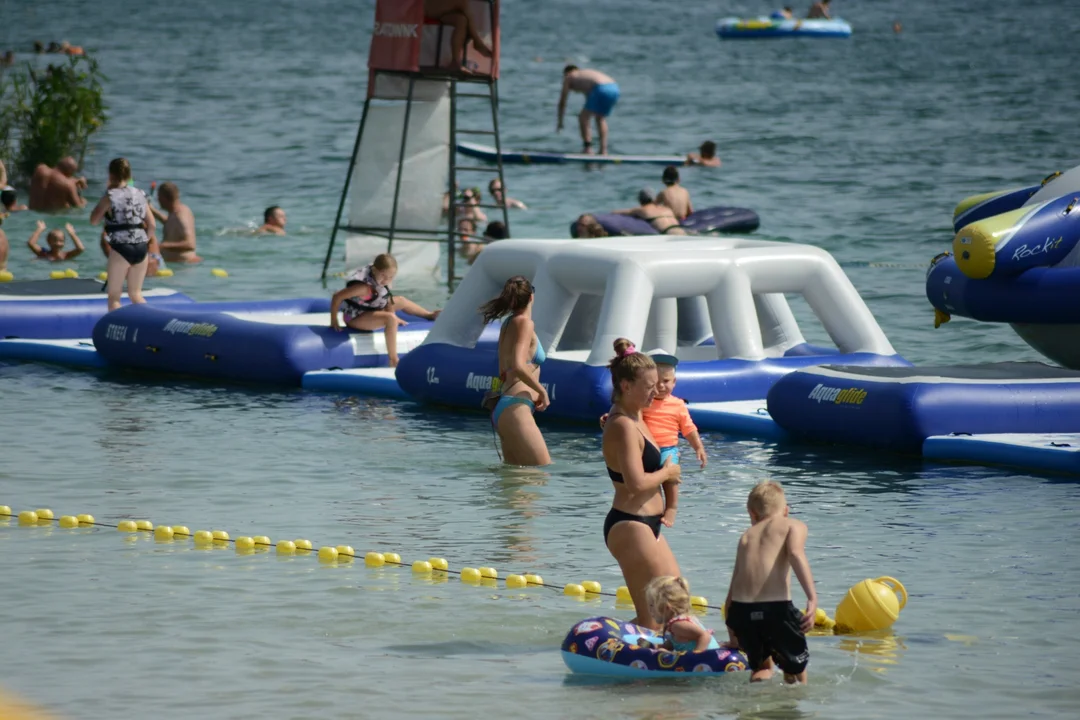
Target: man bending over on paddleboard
[(601, 93)]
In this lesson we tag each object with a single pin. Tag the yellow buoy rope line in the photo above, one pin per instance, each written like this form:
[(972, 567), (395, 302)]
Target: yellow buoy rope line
[(585, 590)]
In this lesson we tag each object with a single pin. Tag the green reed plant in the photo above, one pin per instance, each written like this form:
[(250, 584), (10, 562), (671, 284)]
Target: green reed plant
[(48, 114)]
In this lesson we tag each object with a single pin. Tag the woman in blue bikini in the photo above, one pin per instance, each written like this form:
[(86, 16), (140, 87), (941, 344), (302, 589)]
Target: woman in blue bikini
[(519, 389)]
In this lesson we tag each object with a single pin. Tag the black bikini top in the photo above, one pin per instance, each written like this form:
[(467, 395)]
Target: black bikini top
[(650, 461)]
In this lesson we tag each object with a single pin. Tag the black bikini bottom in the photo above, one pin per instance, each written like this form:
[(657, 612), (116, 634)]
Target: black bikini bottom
[(618, 516), (134, 253)]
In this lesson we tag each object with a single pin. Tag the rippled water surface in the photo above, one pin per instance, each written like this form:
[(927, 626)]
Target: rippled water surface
[(861, 147)]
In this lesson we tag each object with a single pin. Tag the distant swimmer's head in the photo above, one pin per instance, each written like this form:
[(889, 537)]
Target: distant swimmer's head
[(274, 215), (766, 499), (633, 376), (671, 175), (384, 268), (708, 150), (495, 230), (516, 297), (646, 196), (569, 69), (39, 47), (55, 238), (119, 171), (168, 194), (69, 167)]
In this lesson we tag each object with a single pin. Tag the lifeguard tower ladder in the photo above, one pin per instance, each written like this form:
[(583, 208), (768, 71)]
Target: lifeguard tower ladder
[(400, 191)]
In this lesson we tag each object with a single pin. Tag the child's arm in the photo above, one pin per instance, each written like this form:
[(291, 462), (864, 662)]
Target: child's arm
[(79, 247), (671, 503), (32, 242), (689, 431), (688, 631), (796, 547), (349, 291)]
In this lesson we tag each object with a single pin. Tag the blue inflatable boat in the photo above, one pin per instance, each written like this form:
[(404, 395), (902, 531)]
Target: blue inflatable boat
[(604, 646), (771, 27), (541, 157), (705, 221), (63, 309), (716, 303), (252, 344)]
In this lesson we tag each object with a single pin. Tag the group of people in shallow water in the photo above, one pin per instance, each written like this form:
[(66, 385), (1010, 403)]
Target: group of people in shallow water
[(640, 449), (59, 189)]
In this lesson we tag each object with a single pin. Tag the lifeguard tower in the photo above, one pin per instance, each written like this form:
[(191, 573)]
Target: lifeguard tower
[(400, 191)]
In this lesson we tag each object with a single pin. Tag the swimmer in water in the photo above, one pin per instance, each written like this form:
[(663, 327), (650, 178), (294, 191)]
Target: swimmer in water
[(55, 240), (367, 303), (273, 222)]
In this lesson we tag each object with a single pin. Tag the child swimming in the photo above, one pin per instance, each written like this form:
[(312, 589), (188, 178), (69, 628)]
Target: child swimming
[(669, 604), (55, 240), (366, 303), (758, 608)]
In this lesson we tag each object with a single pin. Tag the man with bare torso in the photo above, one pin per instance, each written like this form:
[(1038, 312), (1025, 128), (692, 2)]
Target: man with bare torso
[(758, 609), (601, 93), (53, 189), (674, 195), (660, 217), (178, 243)]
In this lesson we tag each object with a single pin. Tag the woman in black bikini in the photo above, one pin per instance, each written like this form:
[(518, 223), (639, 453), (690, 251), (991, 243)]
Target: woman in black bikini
[(632, 526)]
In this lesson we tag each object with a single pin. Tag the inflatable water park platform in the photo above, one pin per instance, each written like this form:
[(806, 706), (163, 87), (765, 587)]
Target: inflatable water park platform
[(542, 157), (733, 28), (717, 303), (707, 220)]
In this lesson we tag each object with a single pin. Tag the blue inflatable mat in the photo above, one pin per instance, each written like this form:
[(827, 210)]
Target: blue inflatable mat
[(898, 408), (77, 353), (370, 382), (540, 157), (772, 27), (737, 417), (240, 346), (707, 220), (1056, 452)]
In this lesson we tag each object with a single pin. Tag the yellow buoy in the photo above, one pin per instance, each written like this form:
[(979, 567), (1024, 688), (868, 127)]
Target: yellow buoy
[(374, 559), (164, 272), (302, 545), (70, 273), (286, 547), (392, 558), (622, 595), (69, 521), (515, 581), (163, 533), (699, 601), (439, 563), (127, 526), (262, 540), (871, 605), (489, 572), (573, 590), (203, 538), (345, 552), (328, 554), (470, 575), (181, 531), (534, 579), (5, 509), (57, 275), (218, 272), (6, 276), (44, 514), (144, 525), (220, 536), (28, 517), (591, 586), (245, 544), (103, 276), (421, 567)]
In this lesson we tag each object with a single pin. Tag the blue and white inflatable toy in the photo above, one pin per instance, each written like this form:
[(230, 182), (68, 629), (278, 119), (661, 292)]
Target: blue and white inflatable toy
[(604, 646), (716, 303), (704, 221), (733, 28)]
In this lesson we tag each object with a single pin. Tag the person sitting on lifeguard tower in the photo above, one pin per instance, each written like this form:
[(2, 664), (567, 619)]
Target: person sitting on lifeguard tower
[(456, 14)]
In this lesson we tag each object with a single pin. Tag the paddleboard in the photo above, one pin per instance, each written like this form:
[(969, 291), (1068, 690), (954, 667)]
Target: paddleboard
[(540, 157)]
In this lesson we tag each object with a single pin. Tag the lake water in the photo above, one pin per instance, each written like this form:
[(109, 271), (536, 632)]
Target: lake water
[(861, 147)]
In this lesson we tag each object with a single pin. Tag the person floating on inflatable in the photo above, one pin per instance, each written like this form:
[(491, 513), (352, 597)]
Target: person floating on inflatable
[(786, 13), (669, 605)]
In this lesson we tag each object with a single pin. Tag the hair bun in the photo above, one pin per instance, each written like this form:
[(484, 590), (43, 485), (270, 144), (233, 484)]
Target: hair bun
[(621, 345)]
